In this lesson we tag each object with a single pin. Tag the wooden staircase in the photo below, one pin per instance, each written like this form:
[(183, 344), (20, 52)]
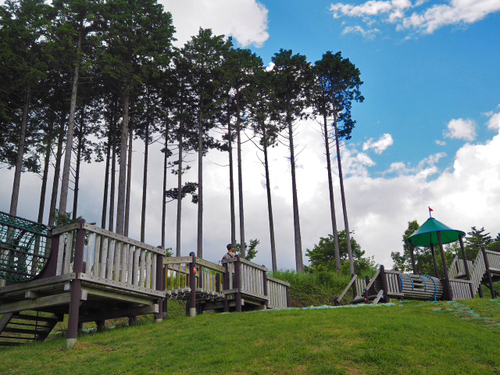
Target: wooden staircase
[(27, 326)]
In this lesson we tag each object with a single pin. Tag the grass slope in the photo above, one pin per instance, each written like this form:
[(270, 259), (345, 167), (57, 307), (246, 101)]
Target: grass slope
[(403, 338)]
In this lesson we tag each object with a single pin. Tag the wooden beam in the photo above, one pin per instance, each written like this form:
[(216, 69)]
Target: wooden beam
[(103, 283), (116, 296), (48, 301), (114, 314), (36, 285)]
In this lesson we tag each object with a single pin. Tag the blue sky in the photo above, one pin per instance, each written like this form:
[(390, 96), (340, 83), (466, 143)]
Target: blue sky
[(426, 135), (414, 83)]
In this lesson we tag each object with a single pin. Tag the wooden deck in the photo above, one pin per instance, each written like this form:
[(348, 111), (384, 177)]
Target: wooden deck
[(485, 269), (93, 275)]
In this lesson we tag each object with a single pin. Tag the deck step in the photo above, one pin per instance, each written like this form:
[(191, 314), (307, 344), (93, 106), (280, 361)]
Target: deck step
[(19, 328)]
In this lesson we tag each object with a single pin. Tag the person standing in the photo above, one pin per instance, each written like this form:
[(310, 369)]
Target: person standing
[(231, 252)]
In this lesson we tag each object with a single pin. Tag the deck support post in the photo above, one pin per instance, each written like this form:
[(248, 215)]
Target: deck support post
[(225, 286), (100, 325), (192, 285), (266, 293), (488, 272), (354, 288), (160, 285), (385, 286), (76, 288), (237, 281)]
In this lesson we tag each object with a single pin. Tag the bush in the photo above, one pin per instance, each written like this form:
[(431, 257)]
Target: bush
[(313, 289)]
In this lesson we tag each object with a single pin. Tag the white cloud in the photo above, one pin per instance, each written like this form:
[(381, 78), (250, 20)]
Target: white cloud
[(461, 129), (379, 208), (379, 146), (370, 33), (441, 143), (428, 20), (244, 20), (425, 168), (494, 122)]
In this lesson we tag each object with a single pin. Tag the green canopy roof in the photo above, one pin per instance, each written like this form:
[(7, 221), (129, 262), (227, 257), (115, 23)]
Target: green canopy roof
[(427, 234)]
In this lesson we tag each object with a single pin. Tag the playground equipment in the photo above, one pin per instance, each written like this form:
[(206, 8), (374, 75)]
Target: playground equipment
[(93, 275), (461, 281)]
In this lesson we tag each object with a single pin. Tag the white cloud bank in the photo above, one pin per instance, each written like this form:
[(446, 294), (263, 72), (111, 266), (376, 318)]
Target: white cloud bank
[(466, 194), (425, 18), (244, 20)]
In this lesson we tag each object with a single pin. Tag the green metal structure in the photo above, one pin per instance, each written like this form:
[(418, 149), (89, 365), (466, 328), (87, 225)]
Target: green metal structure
[(24, 248)]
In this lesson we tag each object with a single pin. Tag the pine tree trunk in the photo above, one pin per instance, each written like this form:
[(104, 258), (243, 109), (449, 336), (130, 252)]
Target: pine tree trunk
[(231, 180), (106, 183), (342, 193), (78, 163), (57, 172), (69, 133), (332, 201), (112, 191), (179, 193), (16, 186), (296, 220), (129, 184), (270, 209), (240, 194), (122, 179), (164, 196), (145, 185), (46, 165), (199, 246)]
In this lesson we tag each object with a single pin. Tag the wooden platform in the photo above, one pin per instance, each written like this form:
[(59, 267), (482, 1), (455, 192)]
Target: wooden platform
[(93, 275)]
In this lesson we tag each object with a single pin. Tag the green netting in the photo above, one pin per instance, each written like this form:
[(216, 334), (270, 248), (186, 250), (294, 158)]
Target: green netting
[(24, 248)]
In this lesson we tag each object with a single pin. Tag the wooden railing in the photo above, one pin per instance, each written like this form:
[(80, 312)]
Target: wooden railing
[(461, 289), (253, 279), (338, 299), (278, 293), (108, 258), (493, 260), (234, 279), (208, 276), (394, 283)]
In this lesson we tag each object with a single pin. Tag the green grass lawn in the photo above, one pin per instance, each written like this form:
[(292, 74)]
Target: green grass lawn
[(402, 338)]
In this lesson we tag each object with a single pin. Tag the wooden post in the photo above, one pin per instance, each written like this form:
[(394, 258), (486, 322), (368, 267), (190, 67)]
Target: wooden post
[(76, 288), (466, 265), (445, 269), (488, 272), (371, 290), (217, 283), (192, 285), (100, 325), (51, 268), (225, 287), (354, 288), (436, 270), (287, 296), (160, 285), (264, 276), (385, 286), (237, 281)]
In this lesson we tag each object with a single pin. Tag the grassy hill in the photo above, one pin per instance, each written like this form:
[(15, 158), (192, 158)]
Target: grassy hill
[(402, 338)]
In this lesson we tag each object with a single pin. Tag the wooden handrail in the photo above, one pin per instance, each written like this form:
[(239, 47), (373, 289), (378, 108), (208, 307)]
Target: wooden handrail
[(337, 300)]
